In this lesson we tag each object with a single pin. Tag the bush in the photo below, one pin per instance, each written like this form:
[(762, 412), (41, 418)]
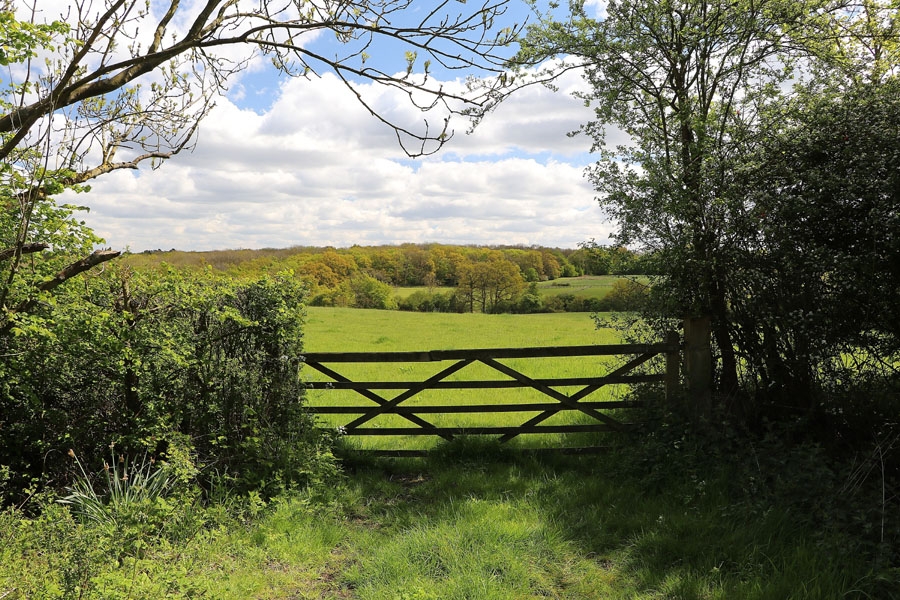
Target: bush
[(368, 292), (626, 295), (530, 303), (421, 301), (147, 360)]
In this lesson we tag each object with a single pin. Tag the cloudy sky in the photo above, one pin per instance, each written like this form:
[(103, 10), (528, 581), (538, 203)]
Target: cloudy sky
[(282, 162)]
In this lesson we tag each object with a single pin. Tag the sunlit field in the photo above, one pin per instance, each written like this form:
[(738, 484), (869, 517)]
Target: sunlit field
[(586, 286), (346, 330)]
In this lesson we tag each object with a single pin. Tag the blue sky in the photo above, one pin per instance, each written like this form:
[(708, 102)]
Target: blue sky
[(282, 162)]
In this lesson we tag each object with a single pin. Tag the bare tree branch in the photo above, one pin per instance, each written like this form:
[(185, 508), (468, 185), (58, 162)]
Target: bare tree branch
[(76, 268), (30, 248)]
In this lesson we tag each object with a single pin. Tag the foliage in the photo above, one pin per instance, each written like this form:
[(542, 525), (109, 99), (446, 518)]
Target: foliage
[(368, 292), (352, 276), (653, 517), (845, 496), (769, 208), (423, 301), (406, 265), (126, 484), (141, 360), (823, 257), (239, 548), (697, 74), (594, 259), (491, 284)]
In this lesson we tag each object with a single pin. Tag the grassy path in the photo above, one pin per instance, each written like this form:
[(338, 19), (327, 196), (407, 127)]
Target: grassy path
[(470, 523), (462, 527)]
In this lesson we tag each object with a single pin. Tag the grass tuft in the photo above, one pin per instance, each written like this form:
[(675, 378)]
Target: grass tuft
[(126, 485)]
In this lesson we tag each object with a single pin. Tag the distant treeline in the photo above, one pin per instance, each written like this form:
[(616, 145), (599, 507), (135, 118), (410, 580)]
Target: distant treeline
[(485, 278)]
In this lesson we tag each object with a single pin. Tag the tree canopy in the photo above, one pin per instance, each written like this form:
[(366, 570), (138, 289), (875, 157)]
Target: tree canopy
[(702, 88), (116, 84)]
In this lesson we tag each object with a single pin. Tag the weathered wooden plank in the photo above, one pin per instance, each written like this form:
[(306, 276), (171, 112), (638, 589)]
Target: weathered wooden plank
[(499, 430), (468, 408), (632, 364), (565, 450), (507, 370), (484, 384), (490, 353), (411, 392), (373, 396)]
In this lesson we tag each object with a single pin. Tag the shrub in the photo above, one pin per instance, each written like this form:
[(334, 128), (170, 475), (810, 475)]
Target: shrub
[(626, 295), (530, 303), (144, 360), (421, 301), (368, 292)]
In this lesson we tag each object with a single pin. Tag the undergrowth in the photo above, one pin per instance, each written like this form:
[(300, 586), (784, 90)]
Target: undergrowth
[(677, 511)]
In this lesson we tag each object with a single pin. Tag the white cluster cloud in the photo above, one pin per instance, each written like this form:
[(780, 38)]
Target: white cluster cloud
[(314, 168)]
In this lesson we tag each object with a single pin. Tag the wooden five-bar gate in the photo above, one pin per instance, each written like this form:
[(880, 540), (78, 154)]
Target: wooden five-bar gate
[(417, 415)]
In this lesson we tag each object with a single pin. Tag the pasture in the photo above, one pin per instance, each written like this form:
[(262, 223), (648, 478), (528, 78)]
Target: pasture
[(585, 286), (354, 330)]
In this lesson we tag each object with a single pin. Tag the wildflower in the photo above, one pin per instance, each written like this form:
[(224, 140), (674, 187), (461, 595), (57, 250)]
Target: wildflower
[(71, 453)]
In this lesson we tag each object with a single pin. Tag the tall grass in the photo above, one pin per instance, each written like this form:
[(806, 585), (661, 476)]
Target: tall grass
[(126, 484), (465, 524)]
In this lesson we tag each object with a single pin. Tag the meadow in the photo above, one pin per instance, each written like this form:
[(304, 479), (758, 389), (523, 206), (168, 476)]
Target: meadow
[(586, 286), (348, 330)]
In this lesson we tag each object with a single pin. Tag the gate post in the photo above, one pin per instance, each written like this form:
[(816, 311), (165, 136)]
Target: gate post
[(698, 368), (673, 365)]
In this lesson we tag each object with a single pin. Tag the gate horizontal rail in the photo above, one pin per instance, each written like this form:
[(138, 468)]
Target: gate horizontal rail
[(515, 379)]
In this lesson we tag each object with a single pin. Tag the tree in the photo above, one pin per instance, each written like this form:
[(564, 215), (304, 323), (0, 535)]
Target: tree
[(751, 208), (822, 271), (684, 79), (490, 283), (120, 83), (368, 292)]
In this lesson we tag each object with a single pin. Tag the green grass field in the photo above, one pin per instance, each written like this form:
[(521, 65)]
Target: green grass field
[(351, 329), (345, 330), (587, 286)]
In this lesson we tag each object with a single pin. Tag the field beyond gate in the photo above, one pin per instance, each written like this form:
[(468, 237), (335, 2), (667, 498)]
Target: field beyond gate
[(552, 391)]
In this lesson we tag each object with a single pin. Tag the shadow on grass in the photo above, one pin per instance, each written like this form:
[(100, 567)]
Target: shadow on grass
[(477, 520)]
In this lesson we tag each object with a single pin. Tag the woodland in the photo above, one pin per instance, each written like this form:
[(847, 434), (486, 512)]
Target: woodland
[(443, 278)]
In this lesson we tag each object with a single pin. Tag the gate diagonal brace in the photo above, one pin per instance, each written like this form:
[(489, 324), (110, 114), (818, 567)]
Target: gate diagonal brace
[(409, 394), (382, 402), (385, 405), (572, 401), (560, 397)]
